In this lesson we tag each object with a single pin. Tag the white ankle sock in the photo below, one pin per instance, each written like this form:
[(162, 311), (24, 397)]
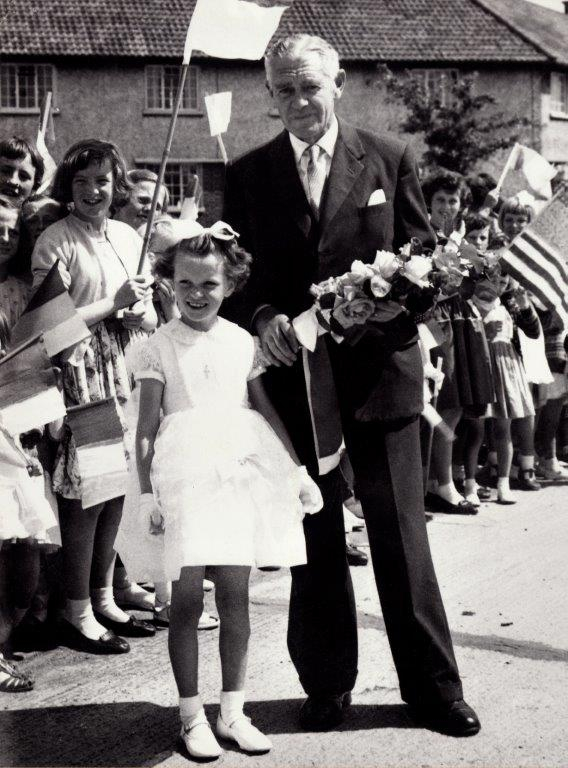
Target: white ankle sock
[(79, 613), (189, 706), (526, 462), (232, 703), (103, 602), (450, 493), (163, 591), (470, 486)]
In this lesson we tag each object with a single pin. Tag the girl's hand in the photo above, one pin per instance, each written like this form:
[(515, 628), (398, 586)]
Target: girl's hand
[(133, 318), (164, 293), (310, 494), (151, 515), (493, 328), (521, 298), (133, 290)]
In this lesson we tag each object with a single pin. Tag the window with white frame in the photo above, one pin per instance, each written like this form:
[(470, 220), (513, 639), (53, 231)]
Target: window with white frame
[(438, 83), (177, 178), (23, 86), (162, 84), (559, 93)]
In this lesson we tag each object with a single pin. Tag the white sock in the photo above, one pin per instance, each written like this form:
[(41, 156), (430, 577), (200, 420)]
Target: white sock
[(526, 462), (79, 613), (133, 592), (189, 706), (232, 703), (163, 591), (103, 602), (470, 486), (450, 493)]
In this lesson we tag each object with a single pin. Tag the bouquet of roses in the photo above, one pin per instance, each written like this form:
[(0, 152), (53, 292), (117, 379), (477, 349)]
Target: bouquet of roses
[(415, 278)]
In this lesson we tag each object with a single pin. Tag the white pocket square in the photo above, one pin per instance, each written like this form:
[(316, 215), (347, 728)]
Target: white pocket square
[(377, 197)]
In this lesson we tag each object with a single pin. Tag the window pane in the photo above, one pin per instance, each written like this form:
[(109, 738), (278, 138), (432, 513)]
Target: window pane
[(154, 87), (171, 76), (190, 95), (8, 86), (26, 87)]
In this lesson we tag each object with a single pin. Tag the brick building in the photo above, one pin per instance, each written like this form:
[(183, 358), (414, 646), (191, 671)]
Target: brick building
[(112, 66)]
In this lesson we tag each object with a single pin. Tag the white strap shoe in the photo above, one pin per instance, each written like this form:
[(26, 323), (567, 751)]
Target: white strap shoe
[(244, 733), (199, 739)]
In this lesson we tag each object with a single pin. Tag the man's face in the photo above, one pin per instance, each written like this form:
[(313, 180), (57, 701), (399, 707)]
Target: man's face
[(137, 209), (304, 94)]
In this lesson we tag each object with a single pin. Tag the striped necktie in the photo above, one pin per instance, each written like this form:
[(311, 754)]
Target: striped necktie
[(315, 173)]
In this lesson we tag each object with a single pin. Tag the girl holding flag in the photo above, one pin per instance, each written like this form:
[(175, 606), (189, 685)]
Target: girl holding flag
[(98, 261)]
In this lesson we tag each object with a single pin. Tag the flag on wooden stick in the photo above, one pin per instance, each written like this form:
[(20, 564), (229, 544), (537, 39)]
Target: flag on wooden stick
[(233, 29), (51, 312), (526, 170), (29, 395), (45, 130), (537, 256), (99, 436)]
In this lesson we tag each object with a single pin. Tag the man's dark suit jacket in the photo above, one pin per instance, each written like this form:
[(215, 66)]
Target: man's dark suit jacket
[(379, 377)]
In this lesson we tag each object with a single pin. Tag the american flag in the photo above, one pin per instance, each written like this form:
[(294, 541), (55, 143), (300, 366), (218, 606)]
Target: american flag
[(537, 257)]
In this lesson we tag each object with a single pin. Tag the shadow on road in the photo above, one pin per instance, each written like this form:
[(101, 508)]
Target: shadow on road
[(129, 734)]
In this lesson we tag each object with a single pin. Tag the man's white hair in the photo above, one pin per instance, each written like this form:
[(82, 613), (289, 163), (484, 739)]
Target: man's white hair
[(300, 43)]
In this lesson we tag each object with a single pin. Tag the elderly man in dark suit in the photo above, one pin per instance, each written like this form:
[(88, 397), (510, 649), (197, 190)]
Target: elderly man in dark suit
[(308, 203)]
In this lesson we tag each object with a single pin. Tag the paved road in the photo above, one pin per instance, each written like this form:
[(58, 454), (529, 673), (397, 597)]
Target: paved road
[(504, 579)]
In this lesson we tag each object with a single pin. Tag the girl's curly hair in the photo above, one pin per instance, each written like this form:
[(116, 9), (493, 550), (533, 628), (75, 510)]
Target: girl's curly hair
[(82, 154), (236, 260)]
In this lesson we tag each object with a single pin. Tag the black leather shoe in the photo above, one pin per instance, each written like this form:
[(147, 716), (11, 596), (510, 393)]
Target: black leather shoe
[(483, 493), (355, 556), (322, 713), (132, 628), (438, 504), (108, 642), (527, 481), (454, 719)]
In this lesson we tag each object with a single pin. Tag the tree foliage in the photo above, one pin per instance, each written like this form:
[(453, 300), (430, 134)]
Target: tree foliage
[(459, 131)]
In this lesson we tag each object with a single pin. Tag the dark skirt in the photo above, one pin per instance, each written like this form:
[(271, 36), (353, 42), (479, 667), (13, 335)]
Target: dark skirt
[(468, 381)]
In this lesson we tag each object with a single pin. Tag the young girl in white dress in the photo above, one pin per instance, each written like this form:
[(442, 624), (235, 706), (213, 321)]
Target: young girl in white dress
[(219, 478)]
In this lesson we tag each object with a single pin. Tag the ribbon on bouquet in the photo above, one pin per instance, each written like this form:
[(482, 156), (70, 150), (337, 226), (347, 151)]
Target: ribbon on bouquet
[(320, 388)]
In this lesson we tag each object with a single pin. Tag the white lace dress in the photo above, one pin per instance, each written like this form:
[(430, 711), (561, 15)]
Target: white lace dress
[(226, 486)]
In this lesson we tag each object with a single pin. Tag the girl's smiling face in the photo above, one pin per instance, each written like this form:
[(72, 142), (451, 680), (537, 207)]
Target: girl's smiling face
[(444, 206), (92, 189), (200, 286), (514, 223), (17, 177), (9, 233), (479, 238)]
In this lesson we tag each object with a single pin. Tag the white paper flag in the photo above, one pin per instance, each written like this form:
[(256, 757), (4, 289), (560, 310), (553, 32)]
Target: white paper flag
[(233, 29), (218, 107)]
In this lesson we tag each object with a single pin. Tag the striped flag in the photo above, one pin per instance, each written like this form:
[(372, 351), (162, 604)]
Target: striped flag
[(29, 396), (537, 256), (99, 438), (52, 313)]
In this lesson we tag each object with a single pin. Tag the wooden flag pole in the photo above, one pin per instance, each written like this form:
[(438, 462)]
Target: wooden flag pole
[(221, 144), (511, 160), (45, 115), (152, 215)]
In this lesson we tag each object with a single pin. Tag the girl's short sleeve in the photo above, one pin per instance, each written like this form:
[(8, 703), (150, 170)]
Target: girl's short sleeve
[(47, 251), (148, 363), (259, 362)]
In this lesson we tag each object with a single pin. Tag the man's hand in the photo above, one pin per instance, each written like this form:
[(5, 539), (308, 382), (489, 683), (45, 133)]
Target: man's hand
[(278, 339)]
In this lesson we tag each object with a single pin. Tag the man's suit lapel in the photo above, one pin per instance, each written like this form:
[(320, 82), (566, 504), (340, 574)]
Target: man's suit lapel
[(346, 167), (286, 183)]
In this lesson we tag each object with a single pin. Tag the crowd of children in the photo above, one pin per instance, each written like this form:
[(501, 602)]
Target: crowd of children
[(195, 381)]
